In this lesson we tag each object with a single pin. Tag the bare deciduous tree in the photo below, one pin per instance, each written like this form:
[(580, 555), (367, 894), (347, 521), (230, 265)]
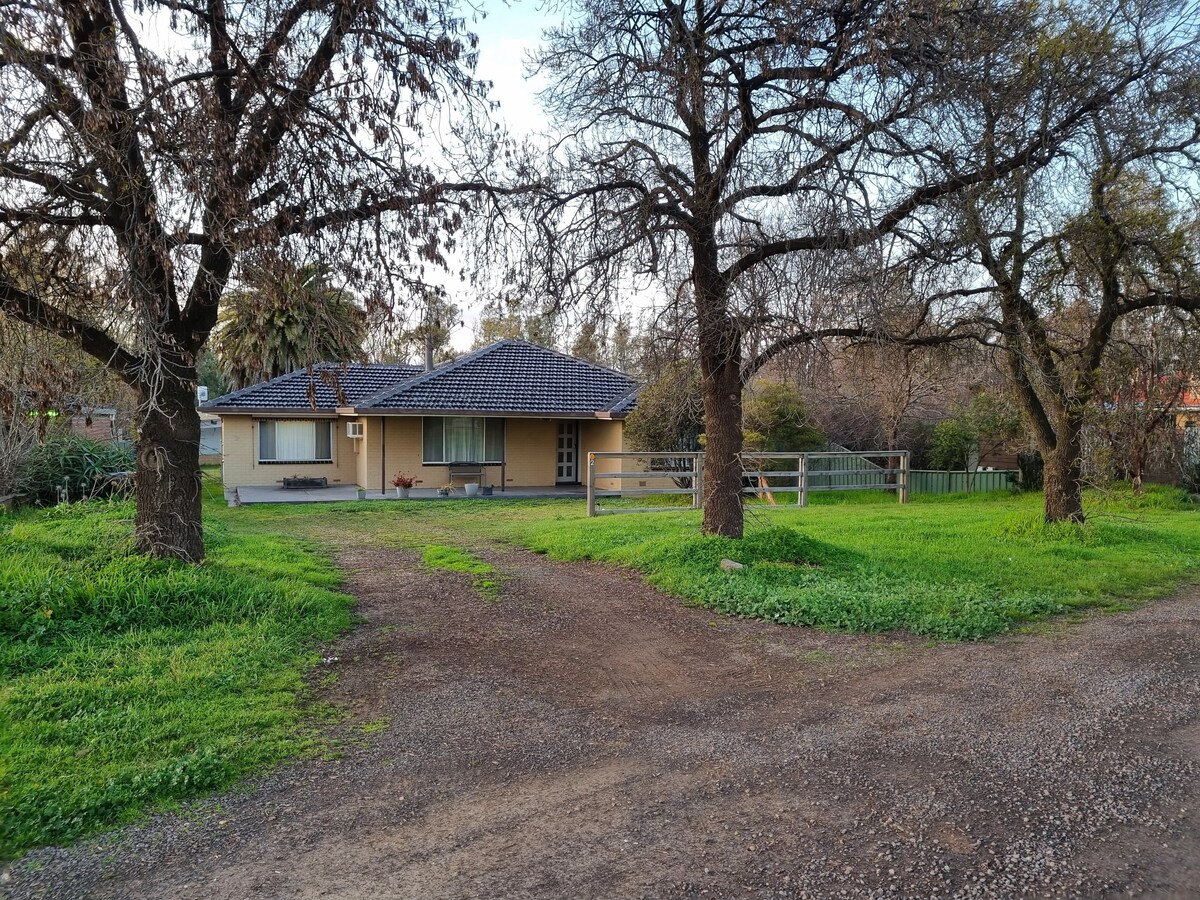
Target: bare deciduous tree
[(1151, 361), (162, 140), (709, 144), (1101, 228)]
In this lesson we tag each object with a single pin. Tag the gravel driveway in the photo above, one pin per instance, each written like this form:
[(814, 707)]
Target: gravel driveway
[(585, 736)]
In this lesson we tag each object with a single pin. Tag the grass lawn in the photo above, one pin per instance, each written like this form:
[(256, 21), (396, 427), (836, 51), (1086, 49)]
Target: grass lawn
[(959, 568), (127, 683)]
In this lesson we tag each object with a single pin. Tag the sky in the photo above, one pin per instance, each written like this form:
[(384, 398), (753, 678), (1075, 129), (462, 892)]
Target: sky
[(507, 34)]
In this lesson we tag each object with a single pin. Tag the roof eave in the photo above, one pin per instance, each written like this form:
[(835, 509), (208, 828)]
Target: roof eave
[(289, 411)]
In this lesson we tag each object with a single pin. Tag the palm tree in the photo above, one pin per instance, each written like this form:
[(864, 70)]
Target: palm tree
[(284, 319)]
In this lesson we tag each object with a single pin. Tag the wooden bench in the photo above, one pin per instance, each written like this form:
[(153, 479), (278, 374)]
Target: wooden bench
[(300, 483), (466, 470)]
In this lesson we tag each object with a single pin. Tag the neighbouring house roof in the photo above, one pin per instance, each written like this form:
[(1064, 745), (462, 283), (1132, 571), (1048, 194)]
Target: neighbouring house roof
[(509, 377), (327, 387)]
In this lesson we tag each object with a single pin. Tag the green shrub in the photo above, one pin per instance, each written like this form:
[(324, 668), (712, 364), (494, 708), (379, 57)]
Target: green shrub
[(1191, 476), (951, 444), (81, 465), (1033, 470)]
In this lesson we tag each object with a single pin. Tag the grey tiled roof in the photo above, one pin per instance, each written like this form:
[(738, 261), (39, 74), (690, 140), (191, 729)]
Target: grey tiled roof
[(296, 390), (509, 377)]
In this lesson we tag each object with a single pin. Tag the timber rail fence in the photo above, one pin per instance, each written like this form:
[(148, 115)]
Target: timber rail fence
[(763, 474)]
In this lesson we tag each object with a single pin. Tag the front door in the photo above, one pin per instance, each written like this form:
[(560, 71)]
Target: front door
[(567, 467)]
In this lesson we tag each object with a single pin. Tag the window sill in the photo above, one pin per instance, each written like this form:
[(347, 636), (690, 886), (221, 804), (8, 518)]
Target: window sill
[(444, 464)]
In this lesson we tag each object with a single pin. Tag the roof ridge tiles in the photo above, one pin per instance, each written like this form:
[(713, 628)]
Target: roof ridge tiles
[(575, 359)]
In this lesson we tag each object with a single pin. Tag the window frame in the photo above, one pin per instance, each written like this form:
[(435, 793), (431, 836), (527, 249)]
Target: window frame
[(448, 462), (258, 440)]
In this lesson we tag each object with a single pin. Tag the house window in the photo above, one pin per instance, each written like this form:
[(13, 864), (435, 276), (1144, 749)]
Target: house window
[(452, 439), (295, 440)]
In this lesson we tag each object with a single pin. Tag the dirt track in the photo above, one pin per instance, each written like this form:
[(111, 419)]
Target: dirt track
[(588, 737)]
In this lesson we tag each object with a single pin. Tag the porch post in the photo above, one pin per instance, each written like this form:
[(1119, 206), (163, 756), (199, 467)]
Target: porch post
[(382, 456)]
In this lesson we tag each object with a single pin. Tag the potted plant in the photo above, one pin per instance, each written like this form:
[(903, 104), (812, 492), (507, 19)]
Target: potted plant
[(445, 489), (403, 484), (472, 488)]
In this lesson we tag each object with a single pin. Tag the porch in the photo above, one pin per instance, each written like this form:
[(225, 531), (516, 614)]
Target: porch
[(248, 494)]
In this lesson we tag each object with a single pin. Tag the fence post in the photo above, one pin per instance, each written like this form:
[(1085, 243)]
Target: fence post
[(698, 481), (591, 485), (802, 467), (903, 477)]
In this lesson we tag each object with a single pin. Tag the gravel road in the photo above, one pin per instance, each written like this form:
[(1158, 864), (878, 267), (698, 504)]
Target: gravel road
[(585, 736)]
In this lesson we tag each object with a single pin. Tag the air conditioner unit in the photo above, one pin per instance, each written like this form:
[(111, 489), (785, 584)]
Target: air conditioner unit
[(354, 429)]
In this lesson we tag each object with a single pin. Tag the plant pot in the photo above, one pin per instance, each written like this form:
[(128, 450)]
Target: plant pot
[(471, 488), (362, 494), (442, 492), (487, 490), (402, 493)]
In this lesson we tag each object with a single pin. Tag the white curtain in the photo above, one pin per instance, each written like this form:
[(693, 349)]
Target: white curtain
[(295, 441), (464, 439), (282, 440)]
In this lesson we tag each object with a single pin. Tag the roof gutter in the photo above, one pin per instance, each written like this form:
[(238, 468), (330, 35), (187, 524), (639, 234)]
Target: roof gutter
[(486, 414)]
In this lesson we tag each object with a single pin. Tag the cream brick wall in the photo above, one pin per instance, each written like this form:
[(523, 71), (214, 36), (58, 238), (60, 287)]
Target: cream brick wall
[(600, 436), (372, 460), (240, 465), (404, 436), (529, 452)]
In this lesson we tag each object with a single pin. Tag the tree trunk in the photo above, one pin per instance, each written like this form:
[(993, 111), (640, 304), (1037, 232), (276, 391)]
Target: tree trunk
[(1063, 475), (721, 386), (167, 483), (720, 346), (1138, 465), (892, 441)]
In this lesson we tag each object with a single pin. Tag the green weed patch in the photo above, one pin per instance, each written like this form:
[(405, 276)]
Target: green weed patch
[(455, 559)]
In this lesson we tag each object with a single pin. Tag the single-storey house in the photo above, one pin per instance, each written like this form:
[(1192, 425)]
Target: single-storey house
[(512, 414)]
